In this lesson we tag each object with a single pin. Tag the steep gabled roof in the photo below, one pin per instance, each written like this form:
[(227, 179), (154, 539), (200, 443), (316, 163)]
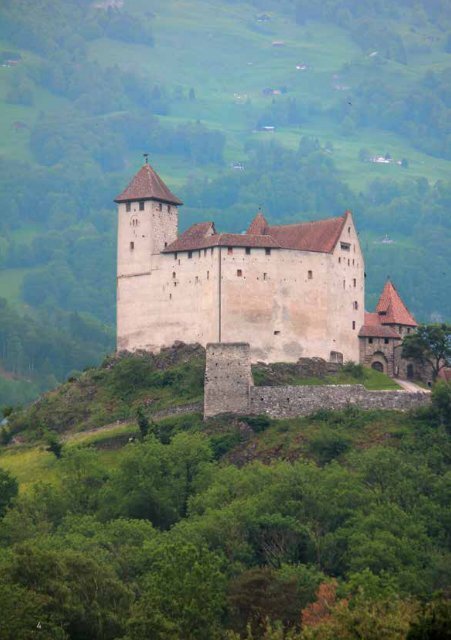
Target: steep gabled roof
[(203, 235), (259, 225), (147, 185), (391, 308), (319, 235)]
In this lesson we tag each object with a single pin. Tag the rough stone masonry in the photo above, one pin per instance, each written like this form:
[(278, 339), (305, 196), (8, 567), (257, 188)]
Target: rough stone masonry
[(229, 389)]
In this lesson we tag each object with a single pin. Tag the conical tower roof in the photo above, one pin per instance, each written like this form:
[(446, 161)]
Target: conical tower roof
[(259, 225), (392, 309), (147, 185)]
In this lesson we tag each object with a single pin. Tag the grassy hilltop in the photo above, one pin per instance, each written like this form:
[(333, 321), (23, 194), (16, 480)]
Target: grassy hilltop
[(232, 528)]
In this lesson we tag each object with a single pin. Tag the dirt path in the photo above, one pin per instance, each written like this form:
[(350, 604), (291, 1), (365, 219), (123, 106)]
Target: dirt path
[(411, 386), (158, 415)]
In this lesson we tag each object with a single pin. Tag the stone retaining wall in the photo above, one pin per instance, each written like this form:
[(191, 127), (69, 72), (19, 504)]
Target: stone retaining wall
[(288, 402)]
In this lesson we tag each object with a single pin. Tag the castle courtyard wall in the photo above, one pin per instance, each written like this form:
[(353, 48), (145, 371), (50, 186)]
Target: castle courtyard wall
[(289, 402)]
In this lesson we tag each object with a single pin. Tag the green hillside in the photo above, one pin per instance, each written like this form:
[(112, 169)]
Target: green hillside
[(230, 528), (86, 88)]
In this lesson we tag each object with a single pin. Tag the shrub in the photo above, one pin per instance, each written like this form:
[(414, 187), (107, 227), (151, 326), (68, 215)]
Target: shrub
[(327, 445), (258, 423)]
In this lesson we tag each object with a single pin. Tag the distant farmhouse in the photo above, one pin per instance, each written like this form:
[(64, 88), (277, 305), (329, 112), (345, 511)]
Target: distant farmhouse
[(290, 291)]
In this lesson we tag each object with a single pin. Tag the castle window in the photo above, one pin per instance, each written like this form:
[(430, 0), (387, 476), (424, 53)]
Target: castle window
[(132, 246), (345, 246), (268, 252), (205, 252), (353, 324), (239, 273), (175, 284), (349, 230), (370, 340), (408, 329), (128, 207), (160, 207), (197, 279), (190, 254), (173, 275), (264, 276), (356, 305), (354, 282), (310, 275), (175, 255), (170, 296), (339, 260), (248, 251), (141, 205), (385, 340), (169, 208), (165, 245), (353, 261), (229, 251), (277, 333)]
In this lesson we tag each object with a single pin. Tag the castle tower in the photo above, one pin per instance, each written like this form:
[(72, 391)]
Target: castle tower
[(148, 222)]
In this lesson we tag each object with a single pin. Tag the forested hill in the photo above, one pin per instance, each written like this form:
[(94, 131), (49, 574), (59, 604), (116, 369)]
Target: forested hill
[(304, 108), (161, 525)]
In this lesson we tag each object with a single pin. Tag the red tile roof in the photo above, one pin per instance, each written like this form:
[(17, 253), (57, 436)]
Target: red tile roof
[(391, 308), (147, 185), (200, 236), (320, 235), (378, 331), (259, 225)]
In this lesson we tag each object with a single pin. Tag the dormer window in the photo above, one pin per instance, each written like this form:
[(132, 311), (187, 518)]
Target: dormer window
[(141, 205)]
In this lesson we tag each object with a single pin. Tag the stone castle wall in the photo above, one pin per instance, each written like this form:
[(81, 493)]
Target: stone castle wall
[(229, 389), (289, 402), (228, 378)]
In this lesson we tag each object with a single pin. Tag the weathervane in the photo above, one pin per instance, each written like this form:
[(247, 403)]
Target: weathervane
[(146, 157)]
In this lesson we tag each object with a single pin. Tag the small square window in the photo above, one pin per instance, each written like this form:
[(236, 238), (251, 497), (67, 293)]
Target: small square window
[(239, 273), (173, 275), (356, 305), (160, 207), (248, 251), (190, 254), (310, 275), (370, 340), (128, 207), (229, 251), (268, 252), (277, 333), (385, 340), (132, 246), (345, 246), (354, 282), (175, 255), (141, 205), (353, 324), (264, 276)]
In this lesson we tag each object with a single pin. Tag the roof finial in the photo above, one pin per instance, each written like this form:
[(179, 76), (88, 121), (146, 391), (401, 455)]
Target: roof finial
[(146, 157)]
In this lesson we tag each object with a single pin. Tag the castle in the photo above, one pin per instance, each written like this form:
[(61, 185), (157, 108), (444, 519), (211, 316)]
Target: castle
[(290, 291)]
